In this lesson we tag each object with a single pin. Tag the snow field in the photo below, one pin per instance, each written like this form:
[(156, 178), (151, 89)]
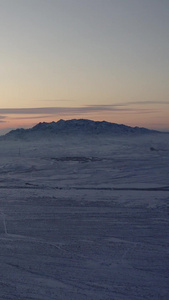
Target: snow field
[(85, 219)]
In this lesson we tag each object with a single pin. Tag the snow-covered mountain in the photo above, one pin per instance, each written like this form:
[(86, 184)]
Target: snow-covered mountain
[(75, 126)]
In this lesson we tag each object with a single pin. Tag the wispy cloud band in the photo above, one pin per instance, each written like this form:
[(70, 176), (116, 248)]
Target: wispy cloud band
[(59, 110), (2, 119)]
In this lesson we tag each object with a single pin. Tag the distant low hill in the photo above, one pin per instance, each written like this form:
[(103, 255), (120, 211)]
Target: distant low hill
[(77, 127)]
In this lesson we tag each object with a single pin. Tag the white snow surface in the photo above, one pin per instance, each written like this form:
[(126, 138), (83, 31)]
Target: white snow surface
[(85, 218)]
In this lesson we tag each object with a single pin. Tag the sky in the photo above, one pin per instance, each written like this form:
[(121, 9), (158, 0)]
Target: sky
[(93, 59)]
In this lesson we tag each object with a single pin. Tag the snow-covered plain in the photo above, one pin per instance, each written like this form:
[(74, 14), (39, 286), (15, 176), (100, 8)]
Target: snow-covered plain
[(85, 218)]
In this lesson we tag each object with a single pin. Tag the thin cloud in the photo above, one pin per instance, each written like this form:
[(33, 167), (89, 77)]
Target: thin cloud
[(144, 103), (55, 100), (63, 110), (55, 110), (124, 104), (30, 117), (2, 119), (117, 106)]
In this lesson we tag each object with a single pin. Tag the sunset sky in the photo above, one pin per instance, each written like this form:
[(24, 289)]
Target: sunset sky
[(95, 59)]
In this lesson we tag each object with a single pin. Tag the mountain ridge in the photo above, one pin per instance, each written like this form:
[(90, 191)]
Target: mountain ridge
[(76, 126)]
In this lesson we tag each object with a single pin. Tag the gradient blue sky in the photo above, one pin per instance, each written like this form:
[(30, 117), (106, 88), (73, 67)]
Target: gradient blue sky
[(96, 59)]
